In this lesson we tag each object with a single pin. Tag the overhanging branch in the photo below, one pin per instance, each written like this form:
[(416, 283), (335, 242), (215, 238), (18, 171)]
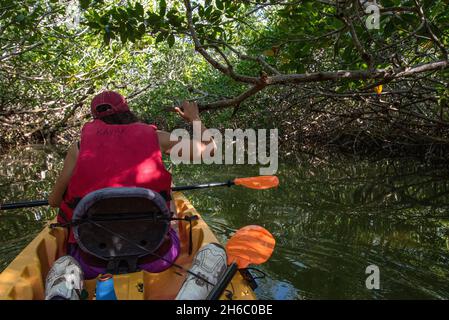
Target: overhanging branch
[(381, 74), (276, 78)]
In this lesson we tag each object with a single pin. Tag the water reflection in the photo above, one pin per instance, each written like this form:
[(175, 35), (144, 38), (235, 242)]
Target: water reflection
[(330, 220), (333, 220)]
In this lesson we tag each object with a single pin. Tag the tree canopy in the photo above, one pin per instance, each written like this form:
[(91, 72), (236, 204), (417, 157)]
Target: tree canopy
[(327, 71)]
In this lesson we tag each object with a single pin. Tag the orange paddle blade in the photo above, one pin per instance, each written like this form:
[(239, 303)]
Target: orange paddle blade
[(260, 183), (250, 245)]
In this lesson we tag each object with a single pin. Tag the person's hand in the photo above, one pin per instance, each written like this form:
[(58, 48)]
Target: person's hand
[(189, 111)]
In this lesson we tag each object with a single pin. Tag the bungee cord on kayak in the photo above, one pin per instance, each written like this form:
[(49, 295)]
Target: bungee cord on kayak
[(261, 245), (154, 254)]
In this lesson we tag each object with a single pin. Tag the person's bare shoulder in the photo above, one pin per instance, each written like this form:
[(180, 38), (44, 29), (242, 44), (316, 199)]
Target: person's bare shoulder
[(72, 152)]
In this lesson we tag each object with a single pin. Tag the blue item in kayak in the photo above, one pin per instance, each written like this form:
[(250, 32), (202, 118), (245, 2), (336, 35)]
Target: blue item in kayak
[(105, 288)]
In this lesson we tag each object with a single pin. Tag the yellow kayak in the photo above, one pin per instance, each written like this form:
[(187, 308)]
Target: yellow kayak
[(24, 278)]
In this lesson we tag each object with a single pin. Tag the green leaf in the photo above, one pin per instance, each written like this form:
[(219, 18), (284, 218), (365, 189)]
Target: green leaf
[(215, 16), (123, 36), (107, 37), (20, 17), (84, 4), (160, 37), (94, 25), (153, 19), (122, 13), (139, 9), (388, 3), (130, 29), (104, 19), (171, 40), (173, 18), (219, 4), (162, 7), (208, 12), (141, 30)]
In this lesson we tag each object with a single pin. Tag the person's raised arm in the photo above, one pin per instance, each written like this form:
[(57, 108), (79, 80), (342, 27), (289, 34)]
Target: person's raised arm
[(190, 113), (55, 198)]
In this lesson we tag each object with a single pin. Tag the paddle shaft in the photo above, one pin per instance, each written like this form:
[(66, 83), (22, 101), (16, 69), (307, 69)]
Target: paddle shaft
[(222, 284), (37, 203), (204, 186), (25, 204)]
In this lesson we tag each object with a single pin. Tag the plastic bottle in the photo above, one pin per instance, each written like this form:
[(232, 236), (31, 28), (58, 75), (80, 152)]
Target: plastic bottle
[(105, 288)]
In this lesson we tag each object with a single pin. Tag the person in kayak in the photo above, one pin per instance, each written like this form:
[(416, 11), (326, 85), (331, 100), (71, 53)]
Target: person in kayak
[(117, 150)]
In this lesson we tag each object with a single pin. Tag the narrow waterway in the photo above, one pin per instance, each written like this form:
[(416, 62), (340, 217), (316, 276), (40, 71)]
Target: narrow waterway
[(331, 221)]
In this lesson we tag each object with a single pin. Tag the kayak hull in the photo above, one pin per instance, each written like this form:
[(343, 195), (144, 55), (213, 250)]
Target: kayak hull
[(24, 278)]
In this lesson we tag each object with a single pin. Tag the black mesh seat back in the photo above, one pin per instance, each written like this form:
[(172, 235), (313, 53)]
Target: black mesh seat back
[(115, 223)]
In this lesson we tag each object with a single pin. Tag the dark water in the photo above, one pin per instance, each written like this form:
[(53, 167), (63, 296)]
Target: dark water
[(331, 220)]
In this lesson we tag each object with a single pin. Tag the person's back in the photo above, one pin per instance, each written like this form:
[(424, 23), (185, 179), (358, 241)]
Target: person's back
[(117, 150), (125, 155)]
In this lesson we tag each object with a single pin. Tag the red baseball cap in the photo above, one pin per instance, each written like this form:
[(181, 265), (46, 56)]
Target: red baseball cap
[(115, 100)]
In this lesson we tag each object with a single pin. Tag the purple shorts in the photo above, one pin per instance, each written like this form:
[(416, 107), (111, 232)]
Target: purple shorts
[(91, 272)]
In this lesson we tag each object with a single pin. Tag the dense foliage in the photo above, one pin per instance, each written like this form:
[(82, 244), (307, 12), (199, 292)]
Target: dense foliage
[(321, 71)]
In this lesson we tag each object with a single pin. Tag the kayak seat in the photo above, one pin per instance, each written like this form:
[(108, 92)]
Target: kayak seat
[(121, 225)]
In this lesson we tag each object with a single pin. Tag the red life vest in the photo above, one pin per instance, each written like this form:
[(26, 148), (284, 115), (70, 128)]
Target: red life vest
[(115, 156)]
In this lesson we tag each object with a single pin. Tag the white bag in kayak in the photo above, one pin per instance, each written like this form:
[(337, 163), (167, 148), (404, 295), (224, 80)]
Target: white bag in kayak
[(210, 263)]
